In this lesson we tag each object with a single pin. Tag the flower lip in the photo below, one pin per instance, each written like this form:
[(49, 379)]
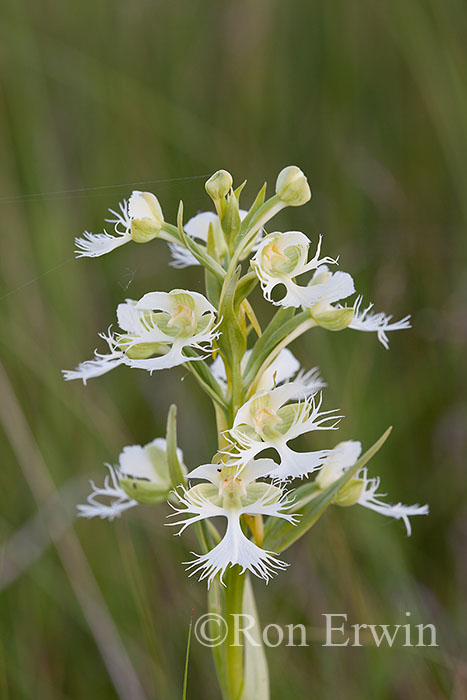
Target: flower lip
[(240, 495), (379, 323)]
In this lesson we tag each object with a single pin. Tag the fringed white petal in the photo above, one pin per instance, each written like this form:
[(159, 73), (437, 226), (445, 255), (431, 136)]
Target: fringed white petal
[(308, 383), (94, 368), (195, 507), (235, 548), (118, 499), (297, 465), (121, 218), (181, 257), (93, 245), (379, 323), (372, 500), (309, 417)]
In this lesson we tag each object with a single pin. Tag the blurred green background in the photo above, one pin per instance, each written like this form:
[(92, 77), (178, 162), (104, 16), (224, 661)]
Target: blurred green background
[(370, 99)]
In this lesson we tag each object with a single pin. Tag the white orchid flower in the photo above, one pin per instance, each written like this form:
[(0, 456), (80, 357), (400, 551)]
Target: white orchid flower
[(142, 476), (361, 489), (339, 316), (283, 369), (197, 228), (267, 420), (157, 330), (230, 496), (281, 257), (139, 219), (379, 323)]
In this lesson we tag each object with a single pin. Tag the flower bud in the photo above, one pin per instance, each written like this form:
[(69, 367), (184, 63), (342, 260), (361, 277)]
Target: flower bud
[(146, 216), (292, 186), (219, 184)]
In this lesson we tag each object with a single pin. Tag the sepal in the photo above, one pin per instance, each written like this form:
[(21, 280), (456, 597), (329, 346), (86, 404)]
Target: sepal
[(331, 319), (350, 493)]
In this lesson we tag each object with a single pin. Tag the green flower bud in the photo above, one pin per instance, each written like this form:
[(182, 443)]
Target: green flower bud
[(330, 318), (292, 186), (219, 184), (350, 493), (146, 216)]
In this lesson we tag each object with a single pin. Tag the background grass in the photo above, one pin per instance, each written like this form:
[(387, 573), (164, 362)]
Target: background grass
[(370, 99)]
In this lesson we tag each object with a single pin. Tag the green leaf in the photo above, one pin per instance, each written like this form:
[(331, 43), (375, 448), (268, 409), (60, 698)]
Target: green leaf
[(256, 674), (283, 323), (279, 535), (259, 201), (239, 189), (198, 251), (245, 286), (213, 284), (205, 378), (187, 658), (216, 605), (175, 468)]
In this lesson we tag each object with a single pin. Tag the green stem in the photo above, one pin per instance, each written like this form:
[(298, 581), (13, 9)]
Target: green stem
[(235, 582)]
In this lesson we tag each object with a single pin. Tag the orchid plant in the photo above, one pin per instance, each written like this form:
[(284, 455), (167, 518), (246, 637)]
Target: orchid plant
[(262, 399)]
